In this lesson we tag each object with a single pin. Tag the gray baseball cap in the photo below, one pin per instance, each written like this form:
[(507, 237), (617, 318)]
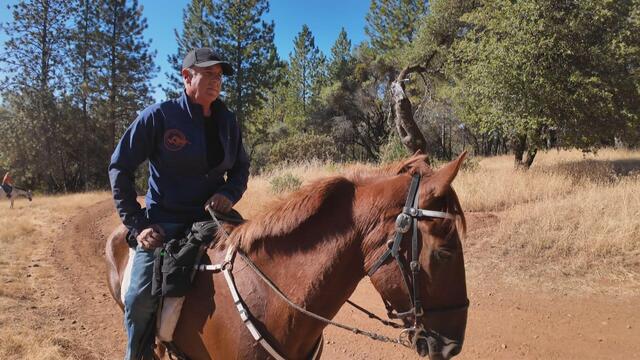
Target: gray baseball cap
[(203, 57)]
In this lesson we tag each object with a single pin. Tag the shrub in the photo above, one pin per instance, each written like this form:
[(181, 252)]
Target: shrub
[(284, 183), (393, 150), (301, 147)]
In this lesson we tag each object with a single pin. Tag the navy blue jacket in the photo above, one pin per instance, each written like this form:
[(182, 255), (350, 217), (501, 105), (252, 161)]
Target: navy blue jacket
[(171, 136)]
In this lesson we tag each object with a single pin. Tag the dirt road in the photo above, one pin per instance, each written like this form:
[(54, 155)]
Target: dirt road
[(506, 320)]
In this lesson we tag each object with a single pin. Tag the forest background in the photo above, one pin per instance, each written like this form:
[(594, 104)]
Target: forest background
[(492, 77)]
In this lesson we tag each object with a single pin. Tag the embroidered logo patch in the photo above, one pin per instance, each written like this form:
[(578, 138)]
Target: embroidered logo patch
[(175, 140)]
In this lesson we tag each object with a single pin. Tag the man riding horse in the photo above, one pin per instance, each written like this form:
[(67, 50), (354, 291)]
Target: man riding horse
[(191, 144), (270, 285), (7, 184)]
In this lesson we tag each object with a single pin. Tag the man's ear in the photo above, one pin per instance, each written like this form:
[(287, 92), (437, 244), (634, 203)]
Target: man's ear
[(186, 75)]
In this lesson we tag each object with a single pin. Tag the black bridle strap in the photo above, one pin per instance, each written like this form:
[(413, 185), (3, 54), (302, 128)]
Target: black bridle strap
[(394, 249), (415, 264)]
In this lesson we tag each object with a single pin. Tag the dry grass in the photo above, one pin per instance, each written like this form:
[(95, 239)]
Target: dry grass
[(26, 307), (572, 215)]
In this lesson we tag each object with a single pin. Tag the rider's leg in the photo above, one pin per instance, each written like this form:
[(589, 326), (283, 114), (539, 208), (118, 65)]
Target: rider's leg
[(139, 305), (7, 190)]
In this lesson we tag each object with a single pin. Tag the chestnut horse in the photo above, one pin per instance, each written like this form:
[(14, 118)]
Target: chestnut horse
[(316, 245)]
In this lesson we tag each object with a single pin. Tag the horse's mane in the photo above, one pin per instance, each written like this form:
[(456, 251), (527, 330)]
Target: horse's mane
[(287, 214)]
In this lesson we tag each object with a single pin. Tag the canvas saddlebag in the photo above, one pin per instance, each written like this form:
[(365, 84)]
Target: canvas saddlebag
[(173, 266)]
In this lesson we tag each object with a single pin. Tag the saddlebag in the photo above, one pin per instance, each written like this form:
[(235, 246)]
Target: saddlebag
[(173, 263)]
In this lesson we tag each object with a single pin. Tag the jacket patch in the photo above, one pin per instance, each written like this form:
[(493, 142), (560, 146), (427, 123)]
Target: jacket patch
[(175, 140)]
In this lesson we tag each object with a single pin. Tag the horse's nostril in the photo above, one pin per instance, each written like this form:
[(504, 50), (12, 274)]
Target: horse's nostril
[(422, 348)]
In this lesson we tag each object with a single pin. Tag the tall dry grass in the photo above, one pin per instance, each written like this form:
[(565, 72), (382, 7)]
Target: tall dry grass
[(27, 312), (570, 215)]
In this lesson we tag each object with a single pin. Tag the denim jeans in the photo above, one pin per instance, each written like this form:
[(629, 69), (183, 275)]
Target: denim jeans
[(139, 305)]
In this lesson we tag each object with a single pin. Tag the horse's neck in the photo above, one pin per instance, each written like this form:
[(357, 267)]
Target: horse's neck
[(319, 275)]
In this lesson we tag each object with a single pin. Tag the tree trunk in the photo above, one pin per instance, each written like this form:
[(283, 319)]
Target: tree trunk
[(520, 150), (531, 155), (519, 145), (410, 135)]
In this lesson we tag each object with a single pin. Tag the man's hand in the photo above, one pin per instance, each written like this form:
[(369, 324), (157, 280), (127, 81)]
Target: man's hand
[(219, 203), (151, 237)]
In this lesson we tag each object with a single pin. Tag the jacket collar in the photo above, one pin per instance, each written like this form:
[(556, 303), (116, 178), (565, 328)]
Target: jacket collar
[(195, 110)]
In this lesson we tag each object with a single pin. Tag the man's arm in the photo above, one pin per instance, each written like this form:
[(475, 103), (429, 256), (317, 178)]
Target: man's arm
[(134, 148), (238, 175)]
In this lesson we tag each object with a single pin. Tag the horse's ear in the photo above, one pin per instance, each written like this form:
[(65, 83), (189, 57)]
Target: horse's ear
[(410, 164), (442, 179)]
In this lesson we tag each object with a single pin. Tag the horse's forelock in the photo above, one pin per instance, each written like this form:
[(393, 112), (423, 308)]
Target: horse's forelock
[(417, 163)]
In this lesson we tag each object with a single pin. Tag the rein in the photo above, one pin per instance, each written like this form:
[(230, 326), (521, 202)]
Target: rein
[(404, 222)]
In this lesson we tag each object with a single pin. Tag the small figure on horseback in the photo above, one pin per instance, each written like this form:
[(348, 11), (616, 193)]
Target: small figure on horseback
[(12, 192), (7, 185)]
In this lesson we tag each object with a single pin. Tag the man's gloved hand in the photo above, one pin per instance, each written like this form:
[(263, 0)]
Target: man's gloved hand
[(218, 202), (151, 237)]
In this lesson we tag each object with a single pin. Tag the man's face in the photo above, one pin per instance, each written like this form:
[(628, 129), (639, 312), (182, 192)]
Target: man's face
[(203, 84)]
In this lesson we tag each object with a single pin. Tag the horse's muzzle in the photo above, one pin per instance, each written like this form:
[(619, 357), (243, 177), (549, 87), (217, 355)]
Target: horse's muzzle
[(438, 347)]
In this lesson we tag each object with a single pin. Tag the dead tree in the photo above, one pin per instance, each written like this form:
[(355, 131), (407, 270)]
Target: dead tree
[(410, 134)]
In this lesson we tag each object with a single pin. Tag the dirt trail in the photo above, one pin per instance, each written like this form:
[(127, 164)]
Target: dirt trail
[(505, 321)]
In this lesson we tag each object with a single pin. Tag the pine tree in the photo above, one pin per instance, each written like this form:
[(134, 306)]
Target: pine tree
[(126, 69), (306, 76), (198, 30), (246, 41), (84, 53), (342, 61), (34, 63)]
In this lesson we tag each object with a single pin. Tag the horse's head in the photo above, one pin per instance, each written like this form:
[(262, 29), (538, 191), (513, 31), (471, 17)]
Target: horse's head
[(414, 256)]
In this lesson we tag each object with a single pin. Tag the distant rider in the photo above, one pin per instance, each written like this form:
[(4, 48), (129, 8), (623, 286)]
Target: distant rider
[(7, 184)]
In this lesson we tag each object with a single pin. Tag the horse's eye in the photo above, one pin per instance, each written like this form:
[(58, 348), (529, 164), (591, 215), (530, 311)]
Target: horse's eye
[(442, 255)]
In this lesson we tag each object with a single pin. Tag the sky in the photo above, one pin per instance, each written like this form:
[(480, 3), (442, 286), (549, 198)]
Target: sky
[(325, 19)]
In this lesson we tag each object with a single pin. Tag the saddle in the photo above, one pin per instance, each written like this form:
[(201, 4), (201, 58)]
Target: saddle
[(174, 270)]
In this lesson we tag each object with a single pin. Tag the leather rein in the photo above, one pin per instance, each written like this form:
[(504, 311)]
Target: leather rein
[(407, 220)]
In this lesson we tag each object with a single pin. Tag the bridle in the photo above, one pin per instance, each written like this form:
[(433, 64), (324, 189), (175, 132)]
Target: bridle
[(408, 220)]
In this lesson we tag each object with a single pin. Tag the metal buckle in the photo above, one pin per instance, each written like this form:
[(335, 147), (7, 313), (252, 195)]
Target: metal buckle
[(226, 265), (403, 223)]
